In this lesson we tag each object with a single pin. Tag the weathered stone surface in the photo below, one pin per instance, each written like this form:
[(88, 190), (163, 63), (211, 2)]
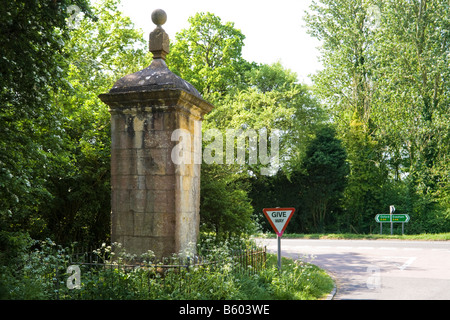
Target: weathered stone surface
[(159, 17), (155, 77), (155, 200), (159, 43)]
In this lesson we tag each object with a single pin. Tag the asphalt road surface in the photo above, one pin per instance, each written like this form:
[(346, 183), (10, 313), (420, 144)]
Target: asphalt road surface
[(377, 269)]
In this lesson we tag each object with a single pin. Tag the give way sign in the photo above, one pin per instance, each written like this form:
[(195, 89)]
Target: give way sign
[(279, 218)]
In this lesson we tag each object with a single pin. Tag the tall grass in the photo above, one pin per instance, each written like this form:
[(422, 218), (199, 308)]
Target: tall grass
[(41, 274)]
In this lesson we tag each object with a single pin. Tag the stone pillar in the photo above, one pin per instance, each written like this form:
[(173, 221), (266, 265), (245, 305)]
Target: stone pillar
[(155, 155)]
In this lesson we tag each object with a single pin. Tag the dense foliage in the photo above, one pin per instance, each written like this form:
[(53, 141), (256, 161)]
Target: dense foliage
[(386, 85)]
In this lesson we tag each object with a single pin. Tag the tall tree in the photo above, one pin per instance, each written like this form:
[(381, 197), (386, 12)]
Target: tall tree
[(326, 171), (368, 176), (32, 65), (346, 86), (413, 98), (100, 51), (209, 54), (413, 47), (390, 80)]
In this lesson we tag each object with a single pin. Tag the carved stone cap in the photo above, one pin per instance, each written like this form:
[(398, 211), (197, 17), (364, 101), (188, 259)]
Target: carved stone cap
[(156, 77), (157, 101)]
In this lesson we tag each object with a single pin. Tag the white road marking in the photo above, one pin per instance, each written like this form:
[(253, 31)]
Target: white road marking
[(408, 262)]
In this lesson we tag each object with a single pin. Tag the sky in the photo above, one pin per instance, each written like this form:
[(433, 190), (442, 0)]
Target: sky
[(274, 30)]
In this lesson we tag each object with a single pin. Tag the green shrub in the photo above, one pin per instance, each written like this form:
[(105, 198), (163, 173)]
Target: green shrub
[(42, 274)]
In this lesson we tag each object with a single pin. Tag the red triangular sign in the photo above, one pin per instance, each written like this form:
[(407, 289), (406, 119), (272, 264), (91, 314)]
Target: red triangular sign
[(279, 218)]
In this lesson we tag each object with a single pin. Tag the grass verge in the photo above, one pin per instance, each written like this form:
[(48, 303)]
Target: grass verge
[(296, 281), (351, 236)]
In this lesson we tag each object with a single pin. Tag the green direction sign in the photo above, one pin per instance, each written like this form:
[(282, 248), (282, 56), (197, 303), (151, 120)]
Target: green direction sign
[(395, 218)]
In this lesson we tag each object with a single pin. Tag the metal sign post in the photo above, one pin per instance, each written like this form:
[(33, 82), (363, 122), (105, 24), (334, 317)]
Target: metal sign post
[(391, 211), (279, 252)]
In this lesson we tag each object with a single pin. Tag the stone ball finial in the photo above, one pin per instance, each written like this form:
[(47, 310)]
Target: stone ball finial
[(159, 39), (159, 17)]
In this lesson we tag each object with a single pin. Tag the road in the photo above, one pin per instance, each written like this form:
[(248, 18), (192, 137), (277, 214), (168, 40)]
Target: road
[(377, 269)]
